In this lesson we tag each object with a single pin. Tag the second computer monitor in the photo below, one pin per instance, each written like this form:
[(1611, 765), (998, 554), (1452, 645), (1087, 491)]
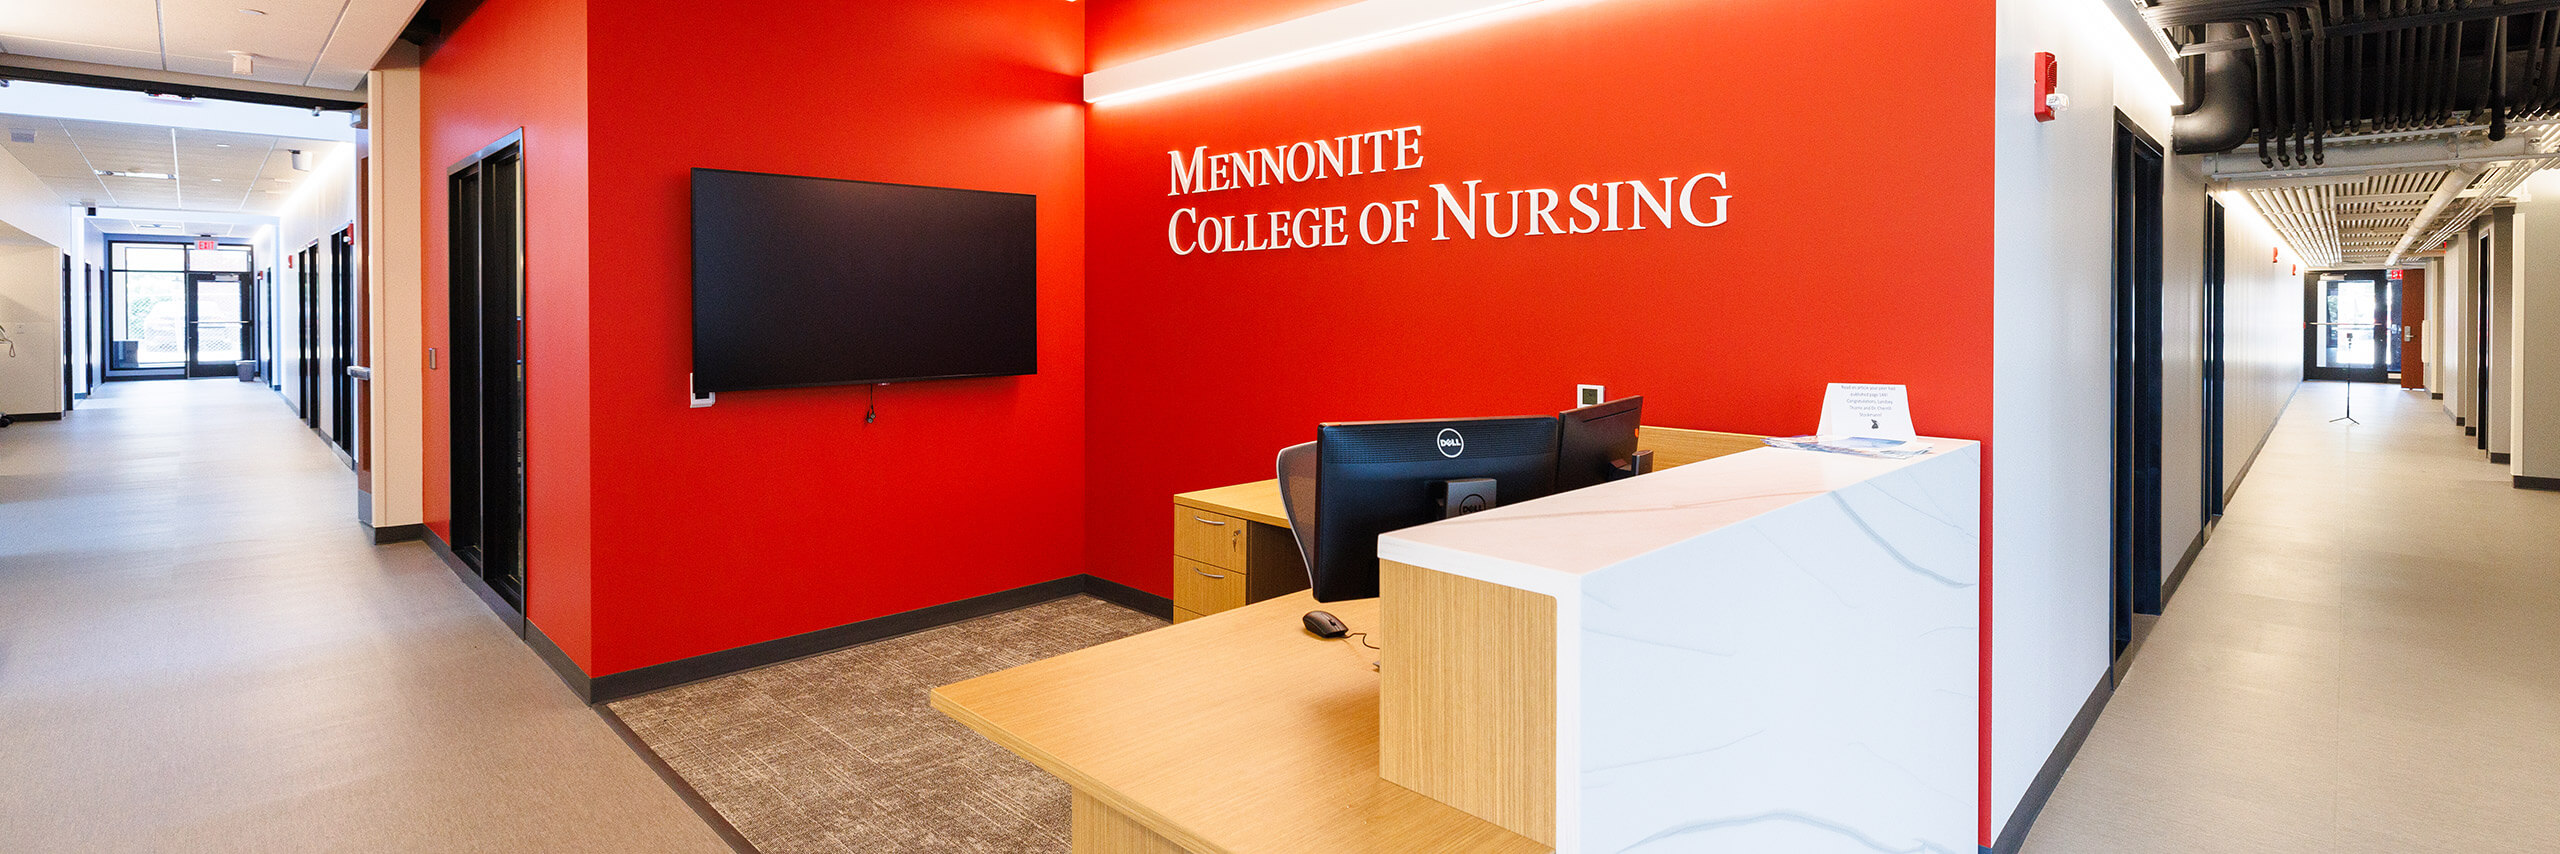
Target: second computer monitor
[(1380, 476), (1597, 444)]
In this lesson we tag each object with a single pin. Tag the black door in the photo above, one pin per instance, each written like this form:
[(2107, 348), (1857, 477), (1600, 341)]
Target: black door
[(218, 323), (2214, 259), (2480, 407), (2136, 440), (306, 278), (2354, 331), (343, 341), (486, 294)]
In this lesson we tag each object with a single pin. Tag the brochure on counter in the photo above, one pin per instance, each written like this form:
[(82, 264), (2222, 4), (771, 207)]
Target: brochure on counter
[(1860, 446)]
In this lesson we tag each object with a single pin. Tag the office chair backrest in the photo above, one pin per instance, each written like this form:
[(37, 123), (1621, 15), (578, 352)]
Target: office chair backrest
[(1298, 499)]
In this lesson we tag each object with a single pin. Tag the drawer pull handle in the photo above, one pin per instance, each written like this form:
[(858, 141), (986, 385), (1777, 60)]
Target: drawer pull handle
[(1208, 521), (1205, 574)]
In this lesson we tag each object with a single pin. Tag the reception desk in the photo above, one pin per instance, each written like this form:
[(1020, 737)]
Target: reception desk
[(1775, 650)]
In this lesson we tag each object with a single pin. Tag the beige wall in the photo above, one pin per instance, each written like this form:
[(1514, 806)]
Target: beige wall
[(31, 318)]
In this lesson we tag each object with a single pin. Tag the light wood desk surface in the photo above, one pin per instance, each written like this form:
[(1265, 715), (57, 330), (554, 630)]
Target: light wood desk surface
[(1236, 732), (1258, 501)]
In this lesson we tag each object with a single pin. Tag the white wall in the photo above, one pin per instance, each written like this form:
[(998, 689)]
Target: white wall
[(2500, 226), (2053, 369), (2535, 391), (2461, 325), (2262, 343), (2052, 374)]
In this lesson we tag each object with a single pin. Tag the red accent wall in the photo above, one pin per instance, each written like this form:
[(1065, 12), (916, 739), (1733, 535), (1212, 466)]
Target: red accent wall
[(776, 513), (523, 64), (1859, 246), (1136, 30)]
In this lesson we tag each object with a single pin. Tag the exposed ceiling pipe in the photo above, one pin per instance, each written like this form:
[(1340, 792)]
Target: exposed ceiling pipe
[(2455, 181), (2224, 113)]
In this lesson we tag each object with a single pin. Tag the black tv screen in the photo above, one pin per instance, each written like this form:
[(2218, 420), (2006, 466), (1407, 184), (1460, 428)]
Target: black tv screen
[(815, 281)]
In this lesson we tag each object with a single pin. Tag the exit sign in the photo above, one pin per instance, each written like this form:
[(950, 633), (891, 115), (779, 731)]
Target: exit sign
[(208, 245), (2397, 275)]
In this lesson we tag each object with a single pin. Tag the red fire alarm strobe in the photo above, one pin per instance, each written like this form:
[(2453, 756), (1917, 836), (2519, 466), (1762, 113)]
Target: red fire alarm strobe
[(2049, 79), (2398, 275)]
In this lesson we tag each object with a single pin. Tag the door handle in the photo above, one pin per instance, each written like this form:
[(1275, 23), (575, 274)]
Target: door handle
[(360, 372), (1205, 574)]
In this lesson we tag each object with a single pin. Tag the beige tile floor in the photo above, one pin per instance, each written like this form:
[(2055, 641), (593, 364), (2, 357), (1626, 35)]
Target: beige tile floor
[(2366, 658), (200, 652)]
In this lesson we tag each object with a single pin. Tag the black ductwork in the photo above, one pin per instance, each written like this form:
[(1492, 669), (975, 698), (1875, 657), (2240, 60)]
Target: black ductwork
[(2223, 100), (2289, 74)]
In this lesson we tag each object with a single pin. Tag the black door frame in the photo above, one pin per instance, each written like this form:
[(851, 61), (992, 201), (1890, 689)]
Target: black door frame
[(2386, 307), (306, 277), (2480, 401), (2216, 275), (486, 311), (2139, 169), (343, 418), (70, 393), (248, 324)]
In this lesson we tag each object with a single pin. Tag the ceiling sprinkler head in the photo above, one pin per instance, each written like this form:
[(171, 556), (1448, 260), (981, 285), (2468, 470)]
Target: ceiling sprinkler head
[(301, 160)]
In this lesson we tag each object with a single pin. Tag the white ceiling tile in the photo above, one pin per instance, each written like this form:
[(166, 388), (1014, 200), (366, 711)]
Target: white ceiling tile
[(290, 72), (127, 24), (80, 52)]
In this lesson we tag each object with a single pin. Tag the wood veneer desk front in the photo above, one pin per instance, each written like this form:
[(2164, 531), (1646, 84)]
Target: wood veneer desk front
[(1231, 544), (1238, 732)]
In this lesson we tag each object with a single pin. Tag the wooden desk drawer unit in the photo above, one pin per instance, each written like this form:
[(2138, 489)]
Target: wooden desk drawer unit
[(1223, 561)]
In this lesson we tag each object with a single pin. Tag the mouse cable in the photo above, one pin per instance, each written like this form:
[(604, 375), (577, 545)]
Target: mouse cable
[(1363, 637)]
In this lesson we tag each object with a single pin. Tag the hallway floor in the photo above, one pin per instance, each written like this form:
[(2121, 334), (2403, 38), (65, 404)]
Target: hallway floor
[(2365, 658), (199, 651)]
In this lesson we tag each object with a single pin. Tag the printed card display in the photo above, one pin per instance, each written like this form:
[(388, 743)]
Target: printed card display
[(1867, 411)]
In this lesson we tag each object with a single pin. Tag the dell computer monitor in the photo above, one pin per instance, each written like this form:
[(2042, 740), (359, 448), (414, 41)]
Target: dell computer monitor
[(1597, 444), (1379, 476)]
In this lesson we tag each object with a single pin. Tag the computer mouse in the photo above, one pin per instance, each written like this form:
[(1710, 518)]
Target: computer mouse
[(1326, 625)]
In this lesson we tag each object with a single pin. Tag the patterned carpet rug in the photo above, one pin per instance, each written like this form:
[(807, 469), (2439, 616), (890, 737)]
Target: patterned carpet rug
[(840, 753)]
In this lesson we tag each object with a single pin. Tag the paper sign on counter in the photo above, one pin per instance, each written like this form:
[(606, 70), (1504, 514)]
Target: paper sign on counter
[(1862, 410)]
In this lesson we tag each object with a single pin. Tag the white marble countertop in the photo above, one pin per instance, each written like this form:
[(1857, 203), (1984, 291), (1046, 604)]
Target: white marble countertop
[(1547, 544)]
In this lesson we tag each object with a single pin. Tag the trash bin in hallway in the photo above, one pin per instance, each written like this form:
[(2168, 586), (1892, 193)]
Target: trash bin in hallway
[(248, 371)]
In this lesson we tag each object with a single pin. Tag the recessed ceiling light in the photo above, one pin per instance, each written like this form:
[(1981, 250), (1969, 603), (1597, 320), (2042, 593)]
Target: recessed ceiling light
[(217, 180), (222, 145), (252, 12), (275, 192), (281, 180), (112, 173)]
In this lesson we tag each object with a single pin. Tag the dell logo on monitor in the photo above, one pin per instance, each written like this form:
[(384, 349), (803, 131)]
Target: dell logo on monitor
[(1452, 443)]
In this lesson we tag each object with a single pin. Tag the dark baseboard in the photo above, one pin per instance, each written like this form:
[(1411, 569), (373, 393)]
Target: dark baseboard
[(632, 683), (2013, 836), (35, 416), (558, 658), (685, 791), (2544, 483), (2462, 421), (1128, 597), (2437, 395), (80, 396), (2169, 587), (2498, 459), (397, 533), (470, 579), (2242, 475), (2470, 431)]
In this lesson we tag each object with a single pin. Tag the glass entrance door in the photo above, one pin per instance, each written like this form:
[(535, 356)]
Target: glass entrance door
[(218, 333), (2354, 333)]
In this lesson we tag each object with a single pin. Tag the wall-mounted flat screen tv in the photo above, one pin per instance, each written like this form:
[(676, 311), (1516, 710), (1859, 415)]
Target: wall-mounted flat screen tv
[(815, 281)]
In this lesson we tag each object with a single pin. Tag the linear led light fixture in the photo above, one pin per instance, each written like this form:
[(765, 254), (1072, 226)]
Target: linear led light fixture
[(111, 173), (1326, 34)]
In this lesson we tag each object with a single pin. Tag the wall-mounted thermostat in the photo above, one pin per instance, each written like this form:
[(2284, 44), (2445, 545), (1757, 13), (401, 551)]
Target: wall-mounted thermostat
[(1590, 395)]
